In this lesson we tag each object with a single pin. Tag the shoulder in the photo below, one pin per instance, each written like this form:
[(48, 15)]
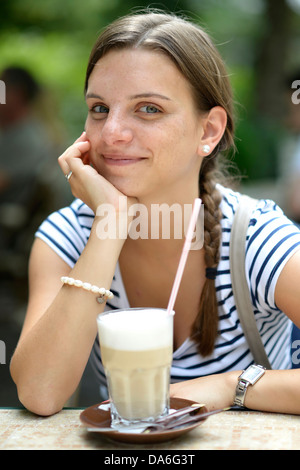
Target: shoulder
[(67, 230), (77, 215), (268, 226), (270, 242), (78, 209), (263, 212)]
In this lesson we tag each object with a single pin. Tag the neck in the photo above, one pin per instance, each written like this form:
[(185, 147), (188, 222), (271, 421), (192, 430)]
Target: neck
[(181, 193), (160, 224)]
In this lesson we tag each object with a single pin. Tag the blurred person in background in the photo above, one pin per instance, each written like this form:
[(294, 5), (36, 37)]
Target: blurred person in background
[(26, 154)]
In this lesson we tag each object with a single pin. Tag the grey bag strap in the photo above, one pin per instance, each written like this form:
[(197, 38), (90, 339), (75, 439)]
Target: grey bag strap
[(239, 281)]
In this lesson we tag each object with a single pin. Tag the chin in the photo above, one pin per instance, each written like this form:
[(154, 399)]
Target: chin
[(128, 190)]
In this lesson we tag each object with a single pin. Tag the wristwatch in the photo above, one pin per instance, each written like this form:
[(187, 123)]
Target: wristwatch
[(248, 377)]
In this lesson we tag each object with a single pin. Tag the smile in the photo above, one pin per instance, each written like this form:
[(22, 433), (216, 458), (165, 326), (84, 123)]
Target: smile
[(120, 160)]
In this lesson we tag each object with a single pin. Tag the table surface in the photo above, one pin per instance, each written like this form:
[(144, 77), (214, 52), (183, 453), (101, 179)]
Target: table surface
[(231, 430)]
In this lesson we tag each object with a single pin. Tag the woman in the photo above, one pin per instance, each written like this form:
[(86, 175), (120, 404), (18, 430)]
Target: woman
[(159, 113)]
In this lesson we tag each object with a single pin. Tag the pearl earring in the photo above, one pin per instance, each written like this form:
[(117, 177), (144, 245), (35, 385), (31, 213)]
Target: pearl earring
[(206, 148)]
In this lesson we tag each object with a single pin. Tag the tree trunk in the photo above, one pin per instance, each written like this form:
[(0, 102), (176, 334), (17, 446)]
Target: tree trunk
[(272, 59)]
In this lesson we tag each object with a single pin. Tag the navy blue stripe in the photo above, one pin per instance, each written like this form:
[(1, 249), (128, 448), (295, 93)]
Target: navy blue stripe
[(223, 287), (223, 271), (264, 264), (280, 338), (231, 366), (207, 362), (268, 322), (72, 226), (228, 314), (64, 235), (226, 330), (274, 270), (80, 205), (252, 222), (88, 216), (86, 227), (201, 365), (230, 342), (71, 258), (112, 307), (229, 204), (262, 244), (224, 301), (115, 292)]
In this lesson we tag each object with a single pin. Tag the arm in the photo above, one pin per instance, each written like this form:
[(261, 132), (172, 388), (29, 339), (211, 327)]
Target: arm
[(60, 325), (277, 391)]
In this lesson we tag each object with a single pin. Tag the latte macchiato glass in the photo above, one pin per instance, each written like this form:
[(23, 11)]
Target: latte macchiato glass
[(136, 350)]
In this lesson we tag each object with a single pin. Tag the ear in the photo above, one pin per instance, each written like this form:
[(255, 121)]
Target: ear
[(213, 125)]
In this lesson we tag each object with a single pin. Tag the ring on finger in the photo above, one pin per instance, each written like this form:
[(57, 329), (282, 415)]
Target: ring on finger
[(68, 176)]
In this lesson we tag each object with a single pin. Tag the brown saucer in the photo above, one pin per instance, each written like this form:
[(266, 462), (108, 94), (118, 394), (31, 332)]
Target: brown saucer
[(93, 417)]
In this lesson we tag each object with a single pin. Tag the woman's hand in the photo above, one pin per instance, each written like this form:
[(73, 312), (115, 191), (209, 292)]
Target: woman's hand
[(214, 391), (86, 183)]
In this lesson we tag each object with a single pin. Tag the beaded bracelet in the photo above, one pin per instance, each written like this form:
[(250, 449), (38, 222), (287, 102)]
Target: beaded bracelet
[(101, 291)]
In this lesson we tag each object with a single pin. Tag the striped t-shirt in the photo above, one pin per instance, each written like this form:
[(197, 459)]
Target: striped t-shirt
[(271, 240)]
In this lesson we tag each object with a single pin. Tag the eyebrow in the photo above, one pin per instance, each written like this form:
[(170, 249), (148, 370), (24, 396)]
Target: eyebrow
[(132, 97), (93, 95), (149, 95)]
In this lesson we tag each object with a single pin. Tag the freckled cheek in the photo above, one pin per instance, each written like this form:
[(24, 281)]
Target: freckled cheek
[(91, 128), (177, 148), (93, 134)]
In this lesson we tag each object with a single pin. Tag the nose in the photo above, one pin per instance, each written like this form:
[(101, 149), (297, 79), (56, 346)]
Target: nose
[(116, 129)]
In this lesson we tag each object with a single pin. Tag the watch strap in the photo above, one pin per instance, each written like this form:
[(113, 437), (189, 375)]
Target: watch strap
[(243, 383), (240, 392)]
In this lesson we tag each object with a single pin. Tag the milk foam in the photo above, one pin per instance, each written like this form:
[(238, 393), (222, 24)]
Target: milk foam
[(136, 330)]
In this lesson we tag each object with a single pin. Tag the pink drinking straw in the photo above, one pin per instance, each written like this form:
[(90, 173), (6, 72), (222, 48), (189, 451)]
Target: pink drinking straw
[(184, 254)]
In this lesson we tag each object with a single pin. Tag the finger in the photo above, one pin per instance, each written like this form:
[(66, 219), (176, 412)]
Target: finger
[(77, 150), (75, 164), (82, 147), (80, 178), (74, 167), (79, 168), (85, 156), (81, 138)]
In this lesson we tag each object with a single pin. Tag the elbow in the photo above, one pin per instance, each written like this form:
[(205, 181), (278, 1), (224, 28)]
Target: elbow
[(33, 398), (39, 405), (43, 396)]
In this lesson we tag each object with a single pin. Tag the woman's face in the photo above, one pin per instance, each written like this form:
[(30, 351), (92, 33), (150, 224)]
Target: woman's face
[(143, 125)]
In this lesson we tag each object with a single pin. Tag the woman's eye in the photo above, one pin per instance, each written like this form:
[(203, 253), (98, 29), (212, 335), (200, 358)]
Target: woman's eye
[(100, 109), (149, 109)]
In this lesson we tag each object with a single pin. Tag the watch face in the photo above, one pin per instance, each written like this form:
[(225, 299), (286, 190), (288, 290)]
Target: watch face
[(252, 374)]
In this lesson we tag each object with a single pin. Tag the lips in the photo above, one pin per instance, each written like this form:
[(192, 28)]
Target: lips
[(119, 160)]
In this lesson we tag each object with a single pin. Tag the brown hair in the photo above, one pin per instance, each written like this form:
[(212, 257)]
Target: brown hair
[(192, 50)]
